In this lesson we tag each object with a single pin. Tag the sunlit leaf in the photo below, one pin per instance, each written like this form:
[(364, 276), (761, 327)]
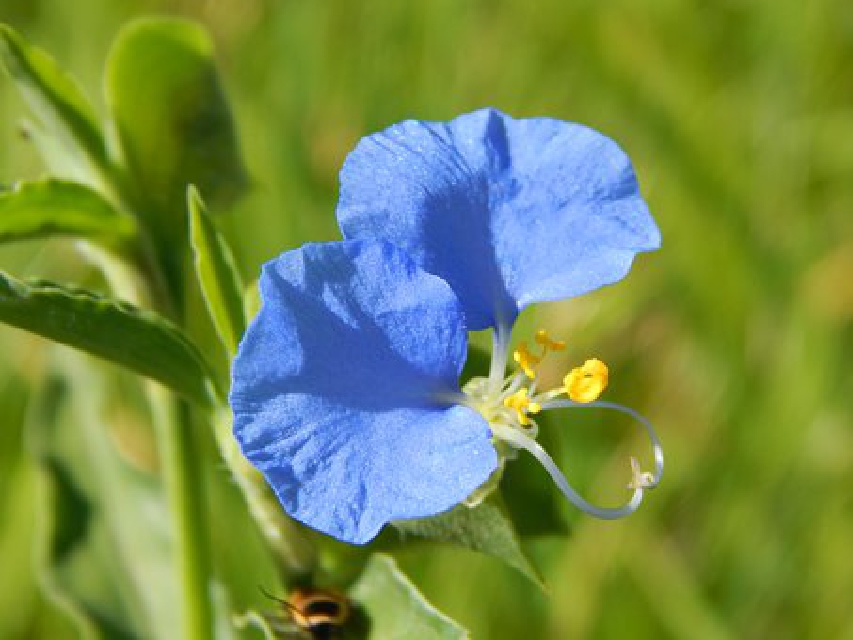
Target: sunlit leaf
[(252, 300), (57, 207), (485, 528), (172, 119), (139, 340), (55, 98), (395, 607), (217, 275)]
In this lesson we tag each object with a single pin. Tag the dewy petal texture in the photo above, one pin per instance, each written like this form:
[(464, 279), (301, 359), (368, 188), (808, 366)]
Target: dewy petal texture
[(509, 212), (334, 390)]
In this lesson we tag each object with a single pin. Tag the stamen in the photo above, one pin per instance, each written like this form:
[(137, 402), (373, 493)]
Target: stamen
[(521, 441), (515, 383), (526, 360), (521, 404), (657, 448), (507, 403), (543, 339), (585, 383)]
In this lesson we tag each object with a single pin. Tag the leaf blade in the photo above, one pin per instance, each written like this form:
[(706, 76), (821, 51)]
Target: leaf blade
[(396, 608), (485, 528), (58, 207), (139, 340), (172, 118), (55, 97), (217, 275)]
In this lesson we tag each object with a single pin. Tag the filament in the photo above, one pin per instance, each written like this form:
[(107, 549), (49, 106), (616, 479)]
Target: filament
[(522, 441), (657, 448), (500, 349)]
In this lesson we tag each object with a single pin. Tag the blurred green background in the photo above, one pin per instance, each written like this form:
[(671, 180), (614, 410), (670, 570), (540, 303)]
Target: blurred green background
[(735, 339)]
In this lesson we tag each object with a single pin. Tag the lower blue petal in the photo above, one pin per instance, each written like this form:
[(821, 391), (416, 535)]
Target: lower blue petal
[(335, 390)]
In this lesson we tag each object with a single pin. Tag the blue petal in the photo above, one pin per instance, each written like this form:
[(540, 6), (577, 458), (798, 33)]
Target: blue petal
[(509, 212), (334, 390)]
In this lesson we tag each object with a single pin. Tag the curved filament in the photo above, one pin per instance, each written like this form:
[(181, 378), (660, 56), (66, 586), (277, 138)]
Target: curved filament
[(520, 440), (657, 448)]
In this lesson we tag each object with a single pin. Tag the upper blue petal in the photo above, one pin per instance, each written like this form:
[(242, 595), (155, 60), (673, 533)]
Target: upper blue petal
[(334, 390), (509, 212)]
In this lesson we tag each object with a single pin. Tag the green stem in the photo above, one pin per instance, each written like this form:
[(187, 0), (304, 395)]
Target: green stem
[(181, 463), (176, 438)]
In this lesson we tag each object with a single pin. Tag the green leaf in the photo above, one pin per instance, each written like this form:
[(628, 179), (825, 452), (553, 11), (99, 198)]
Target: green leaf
[(13, 398), (106, 551), (217, 275), (139, 340), (530, 500), (485, 528), (396, 608), (252, 300), (172, 118), (55, 98), (57, 207)]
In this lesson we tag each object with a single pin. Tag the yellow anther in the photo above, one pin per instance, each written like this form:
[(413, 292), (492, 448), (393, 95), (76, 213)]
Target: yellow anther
[(518, 400), (526, 360), (521, 404), (585, 383), (543, 339)]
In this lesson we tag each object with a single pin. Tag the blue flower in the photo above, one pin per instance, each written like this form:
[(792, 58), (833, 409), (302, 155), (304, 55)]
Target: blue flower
[(346, 391)]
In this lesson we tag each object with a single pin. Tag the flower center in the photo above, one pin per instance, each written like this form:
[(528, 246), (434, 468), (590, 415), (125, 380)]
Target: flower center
[(508, 402), (511, 404)]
